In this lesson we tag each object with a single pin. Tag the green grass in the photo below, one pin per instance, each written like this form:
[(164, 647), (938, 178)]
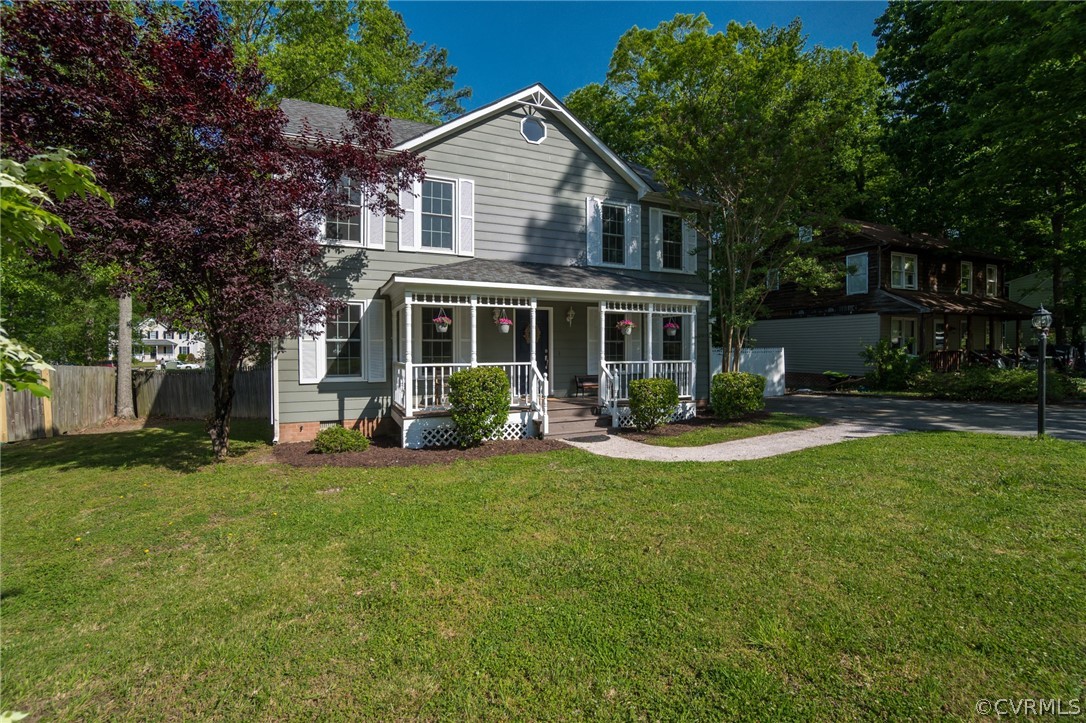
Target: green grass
[(730, 431), (885, 578)]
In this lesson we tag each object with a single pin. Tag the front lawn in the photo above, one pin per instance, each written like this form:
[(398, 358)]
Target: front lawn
[(885, 578)]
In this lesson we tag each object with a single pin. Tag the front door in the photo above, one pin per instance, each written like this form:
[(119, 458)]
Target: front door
[(523, 330)]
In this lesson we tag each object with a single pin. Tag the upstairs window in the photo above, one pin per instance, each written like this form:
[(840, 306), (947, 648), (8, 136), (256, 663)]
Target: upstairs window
[(967, 278), (344, 226), (773, 279), (672, 249), (437, 214), (856, 268), (991, 280), (903, 271), (614, 235)]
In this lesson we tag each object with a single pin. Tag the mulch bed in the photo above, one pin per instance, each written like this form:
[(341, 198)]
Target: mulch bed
[(388, 453), (676, 428)]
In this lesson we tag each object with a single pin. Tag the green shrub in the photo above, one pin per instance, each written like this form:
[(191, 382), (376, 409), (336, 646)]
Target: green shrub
[(334, 440), (736, 394), (479, 399), (986, 384), (653, 402), (891, 367)]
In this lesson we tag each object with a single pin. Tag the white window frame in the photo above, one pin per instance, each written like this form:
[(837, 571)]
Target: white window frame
[(900, 321), (631, 253), (965, 272), (323, 357), (370, 370), (452, 217), (991, 280), (689, 240), (904, 284), (371, 229), (624, 208), (855, 261), (541, 122)]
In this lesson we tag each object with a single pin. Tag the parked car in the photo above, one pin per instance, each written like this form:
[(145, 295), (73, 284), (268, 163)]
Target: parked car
[(189, 365)]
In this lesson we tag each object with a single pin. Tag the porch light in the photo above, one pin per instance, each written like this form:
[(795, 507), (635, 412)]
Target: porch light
[(569, 316), (1042, 320)]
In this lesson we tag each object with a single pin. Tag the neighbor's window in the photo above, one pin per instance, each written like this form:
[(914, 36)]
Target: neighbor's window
[(967, 277), (614, 234), (437, 214), (672, 251), (856, 281), (344, 226), (903, 271), (437, 347), (773, 279), (991, 280), (903, 333), (343, 342), (614, 341)]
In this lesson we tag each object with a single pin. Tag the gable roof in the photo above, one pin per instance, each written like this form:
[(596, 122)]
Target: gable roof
[(889, 235), (331, 120)]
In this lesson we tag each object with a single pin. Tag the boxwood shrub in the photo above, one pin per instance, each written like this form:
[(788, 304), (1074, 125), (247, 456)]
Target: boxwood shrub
[(479, 399), (736, 394), (653, 402), (334, 440)]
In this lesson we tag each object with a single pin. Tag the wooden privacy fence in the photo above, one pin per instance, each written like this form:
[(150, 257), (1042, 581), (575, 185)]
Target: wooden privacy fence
[(87, 396)]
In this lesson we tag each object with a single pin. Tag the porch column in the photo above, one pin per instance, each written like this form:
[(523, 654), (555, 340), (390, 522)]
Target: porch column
[(603, 363), (531, 333), (474, 358), (648, 338), (1018, 338), (409, 373), (693, 353)]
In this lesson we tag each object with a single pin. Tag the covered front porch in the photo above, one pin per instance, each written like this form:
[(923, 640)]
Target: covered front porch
[(556, 342)]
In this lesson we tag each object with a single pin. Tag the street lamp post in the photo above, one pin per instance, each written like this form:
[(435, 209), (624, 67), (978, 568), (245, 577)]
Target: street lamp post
[(1042, 320)]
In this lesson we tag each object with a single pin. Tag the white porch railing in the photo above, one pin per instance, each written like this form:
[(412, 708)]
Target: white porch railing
[(428, 385), (616, 377)]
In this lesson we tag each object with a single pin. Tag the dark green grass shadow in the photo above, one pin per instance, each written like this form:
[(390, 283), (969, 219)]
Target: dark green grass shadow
[(176, 446)]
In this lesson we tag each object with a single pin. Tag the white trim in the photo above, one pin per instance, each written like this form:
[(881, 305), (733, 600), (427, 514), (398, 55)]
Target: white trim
[(454, 219), (916, 271), (991, 278), (322, 356), (534, 94), (962, 276), (579, 291)]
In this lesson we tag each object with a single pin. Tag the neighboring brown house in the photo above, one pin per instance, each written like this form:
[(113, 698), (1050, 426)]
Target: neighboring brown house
[(913, 289)]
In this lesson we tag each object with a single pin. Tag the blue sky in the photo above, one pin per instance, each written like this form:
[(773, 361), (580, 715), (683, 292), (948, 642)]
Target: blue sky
[(500, 47)]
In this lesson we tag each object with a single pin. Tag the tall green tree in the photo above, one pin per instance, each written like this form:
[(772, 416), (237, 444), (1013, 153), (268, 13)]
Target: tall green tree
[(345, 53), (761, 134), (986, 126)]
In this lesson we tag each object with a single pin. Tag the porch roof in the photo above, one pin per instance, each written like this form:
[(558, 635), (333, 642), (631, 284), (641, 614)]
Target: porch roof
[(524, 277), (950, 303)]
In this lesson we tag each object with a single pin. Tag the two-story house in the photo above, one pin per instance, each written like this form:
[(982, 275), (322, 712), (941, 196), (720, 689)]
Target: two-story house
[(529, 245), (160, 343), (914, 289)]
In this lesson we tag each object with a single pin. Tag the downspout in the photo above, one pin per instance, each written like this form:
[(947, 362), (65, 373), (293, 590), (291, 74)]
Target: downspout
[(275, 392)]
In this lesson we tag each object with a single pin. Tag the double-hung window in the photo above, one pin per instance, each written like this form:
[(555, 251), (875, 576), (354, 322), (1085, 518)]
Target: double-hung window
[(344, 225), (614, 341), (903, 333), (672, 346), (343, 342), (437, 346), (614, 235), (967, 277), (773, 279), (903, 271), (991, 280), (671, 256), (438, 209)]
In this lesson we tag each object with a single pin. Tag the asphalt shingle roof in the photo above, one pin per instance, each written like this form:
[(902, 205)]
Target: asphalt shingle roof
[(521, 273), (330, 120)]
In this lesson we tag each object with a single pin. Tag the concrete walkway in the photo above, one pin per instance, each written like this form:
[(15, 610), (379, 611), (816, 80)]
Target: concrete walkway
[(854, 418)]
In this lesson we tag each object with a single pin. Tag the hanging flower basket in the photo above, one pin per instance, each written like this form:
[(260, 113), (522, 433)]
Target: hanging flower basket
[(671, 328), (626, 326), (442, 323), (504, 324)]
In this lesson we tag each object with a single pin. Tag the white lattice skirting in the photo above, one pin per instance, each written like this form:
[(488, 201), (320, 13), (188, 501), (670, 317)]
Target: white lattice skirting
[(441, 432), (624, 417)]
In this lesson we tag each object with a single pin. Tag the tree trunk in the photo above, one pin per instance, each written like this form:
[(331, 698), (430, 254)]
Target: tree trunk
[(125, 408), (222, 389)]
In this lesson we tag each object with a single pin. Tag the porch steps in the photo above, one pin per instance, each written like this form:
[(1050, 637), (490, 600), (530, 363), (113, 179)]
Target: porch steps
[(573, 417)]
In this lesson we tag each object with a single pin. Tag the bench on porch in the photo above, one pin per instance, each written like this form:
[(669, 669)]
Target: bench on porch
[(587, 383)]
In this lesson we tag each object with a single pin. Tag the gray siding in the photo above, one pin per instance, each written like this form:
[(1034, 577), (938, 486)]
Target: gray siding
[(817, 344), (529, 206)]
